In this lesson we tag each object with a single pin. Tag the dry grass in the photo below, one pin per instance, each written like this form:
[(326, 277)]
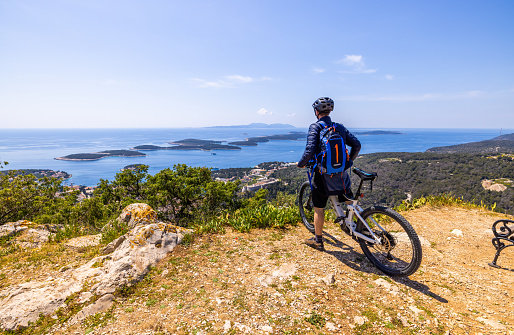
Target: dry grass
[(212, 286)]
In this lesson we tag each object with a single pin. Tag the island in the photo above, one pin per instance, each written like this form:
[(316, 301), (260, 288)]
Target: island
[(500, 144), (131, 167), (99, 155), (39, 173), (252, 141), (190, 144), (258, 126), (194, 142), (378, 132)]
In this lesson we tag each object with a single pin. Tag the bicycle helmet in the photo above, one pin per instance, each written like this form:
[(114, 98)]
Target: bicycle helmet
[(323, 105)]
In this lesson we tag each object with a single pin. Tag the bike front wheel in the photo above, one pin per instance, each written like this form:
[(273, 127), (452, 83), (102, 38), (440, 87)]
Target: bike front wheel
[(399, 253), (306, 206)]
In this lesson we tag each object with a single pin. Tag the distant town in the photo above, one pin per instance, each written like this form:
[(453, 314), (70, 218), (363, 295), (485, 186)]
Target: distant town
[(257, 178)]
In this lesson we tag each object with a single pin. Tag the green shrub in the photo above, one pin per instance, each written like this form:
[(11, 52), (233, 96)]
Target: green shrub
[(246, 219), (440, 200)]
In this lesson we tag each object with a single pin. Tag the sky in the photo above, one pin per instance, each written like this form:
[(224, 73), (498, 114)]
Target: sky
[(196, 63)]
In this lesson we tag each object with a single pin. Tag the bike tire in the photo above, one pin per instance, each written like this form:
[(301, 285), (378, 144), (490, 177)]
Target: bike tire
[(306, 206), (401, 253)]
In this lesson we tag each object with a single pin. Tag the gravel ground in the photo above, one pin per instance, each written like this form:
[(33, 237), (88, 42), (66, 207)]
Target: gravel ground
[(269, 282)]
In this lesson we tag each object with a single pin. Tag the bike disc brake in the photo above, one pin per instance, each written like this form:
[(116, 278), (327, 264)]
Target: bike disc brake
[(388, 241)]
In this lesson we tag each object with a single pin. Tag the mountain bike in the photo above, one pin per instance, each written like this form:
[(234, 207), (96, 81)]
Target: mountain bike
[(386, 238)]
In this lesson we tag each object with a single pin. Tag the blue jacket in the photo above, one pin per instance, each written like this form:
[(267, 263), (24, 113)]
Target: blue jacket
[(313, 147)]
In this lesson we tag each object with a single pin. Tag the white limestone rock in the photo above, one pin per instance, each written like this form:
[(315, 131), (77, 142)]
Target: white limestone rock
[(138, 213), (142, 248), (283, 272), (33, 235), (83, 241), (101, 305)]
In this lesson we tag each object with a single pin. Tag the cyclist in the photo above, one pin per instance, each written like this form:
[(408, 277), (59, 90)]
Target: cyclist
[(322, 108)]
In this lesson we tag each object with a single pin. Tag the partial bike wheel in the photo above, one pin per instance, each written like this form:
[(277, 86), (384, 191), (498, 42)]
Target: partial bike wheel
[(306, 206), (400, 252)]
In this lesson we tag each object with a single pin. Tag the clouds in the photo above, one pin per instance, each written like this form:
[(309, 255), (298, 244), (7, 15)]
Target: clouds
[(351, 64), (230, 81), (354, 64), (318, 70), (264, 111)]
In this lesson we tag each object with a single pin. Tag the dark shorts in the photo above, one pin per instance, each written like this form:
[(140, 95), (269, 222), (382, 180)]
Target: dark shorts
[(320, 196)]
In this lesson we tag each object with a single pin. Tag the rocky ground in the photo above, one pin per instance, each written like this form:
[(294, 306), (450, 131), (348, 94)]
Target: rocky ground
[(268, 281)]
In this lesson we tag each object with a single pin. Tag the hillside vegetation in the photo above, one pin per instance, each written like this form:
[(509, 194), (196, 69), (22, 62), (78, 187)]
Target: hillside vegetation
[(182, 195), (497, 145), (422, 174)]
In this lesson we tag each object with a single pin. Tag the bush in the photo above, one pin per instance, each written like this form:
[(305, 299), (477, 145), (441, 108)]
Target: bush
[(24, 196)]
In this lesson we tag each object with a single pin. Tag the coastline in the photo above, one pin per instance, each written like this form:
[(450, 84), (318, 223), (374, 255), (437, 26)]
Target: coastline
[(25, 149)]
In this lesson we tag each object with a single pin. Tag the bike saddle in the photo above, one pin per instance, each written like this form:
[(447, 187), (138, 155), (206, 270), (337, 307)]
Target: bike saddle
[(365, 175)]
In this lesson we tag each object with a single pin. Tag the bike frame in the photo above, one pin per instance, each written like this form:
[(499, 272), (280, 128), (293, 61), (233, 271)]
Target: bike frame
[(353, 209)]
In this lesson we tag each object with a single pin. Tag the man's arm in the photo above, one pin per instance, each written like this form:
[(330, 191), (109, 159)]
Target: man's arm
[(312, 144), (351, 141)]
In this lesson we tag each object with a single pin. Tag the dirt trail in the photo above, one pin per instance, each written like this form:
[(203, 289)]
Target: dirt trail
[(268, 281)]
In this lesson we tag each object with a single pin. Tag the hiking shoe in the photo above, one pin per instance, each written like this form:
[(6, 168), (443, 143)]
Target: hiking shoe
[(311, 242)]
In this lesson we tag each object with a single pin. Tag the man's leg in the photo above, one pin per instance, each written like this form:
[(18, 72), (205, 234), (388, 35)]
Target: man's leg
[(319, 198), (319, 220), (316, 242)]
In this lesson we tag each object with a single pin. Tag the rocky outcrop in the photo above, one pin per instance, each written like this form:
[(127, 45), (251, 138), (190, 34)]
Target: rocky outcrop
[(491, 186), (142, 247), (135, 214), (29, 234), (81, 242)]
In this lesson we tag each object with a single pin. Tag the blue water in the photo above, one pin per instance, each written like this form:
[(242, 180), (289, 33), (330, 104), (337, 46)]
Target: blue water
[(37, 148)]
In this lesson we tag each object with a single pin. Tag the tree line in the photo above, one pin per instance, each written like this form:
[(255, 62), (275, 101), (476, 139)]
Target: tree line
[(421, 174)]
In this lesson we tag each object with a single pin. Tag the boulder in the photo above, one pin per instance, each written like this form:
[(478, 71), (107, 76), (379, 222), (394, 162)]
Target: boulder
[(128, 263), (31, 235), (11, 228), (138, 213), (32, 238)]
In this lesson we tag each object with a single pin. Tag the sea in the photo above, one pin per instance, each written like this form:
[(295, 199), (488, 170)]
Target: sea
[(38, 148)]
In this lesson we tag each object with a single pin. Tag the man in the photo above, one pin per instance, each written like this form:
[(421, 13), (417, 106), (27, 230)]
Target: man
[(322, 108)]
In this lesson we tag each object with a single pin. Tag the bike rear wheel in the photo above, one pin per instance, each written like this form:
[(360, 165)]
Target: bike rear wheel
[(400, 252), (306, 206)]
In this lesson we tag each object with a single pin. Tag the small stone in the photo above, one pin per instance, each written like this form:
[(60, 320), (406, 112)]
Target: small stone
[(359, 320), (415, 309), (331, 327), (227, 326), (267, 329), (329, 280), (457, 232), (492, 323)]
